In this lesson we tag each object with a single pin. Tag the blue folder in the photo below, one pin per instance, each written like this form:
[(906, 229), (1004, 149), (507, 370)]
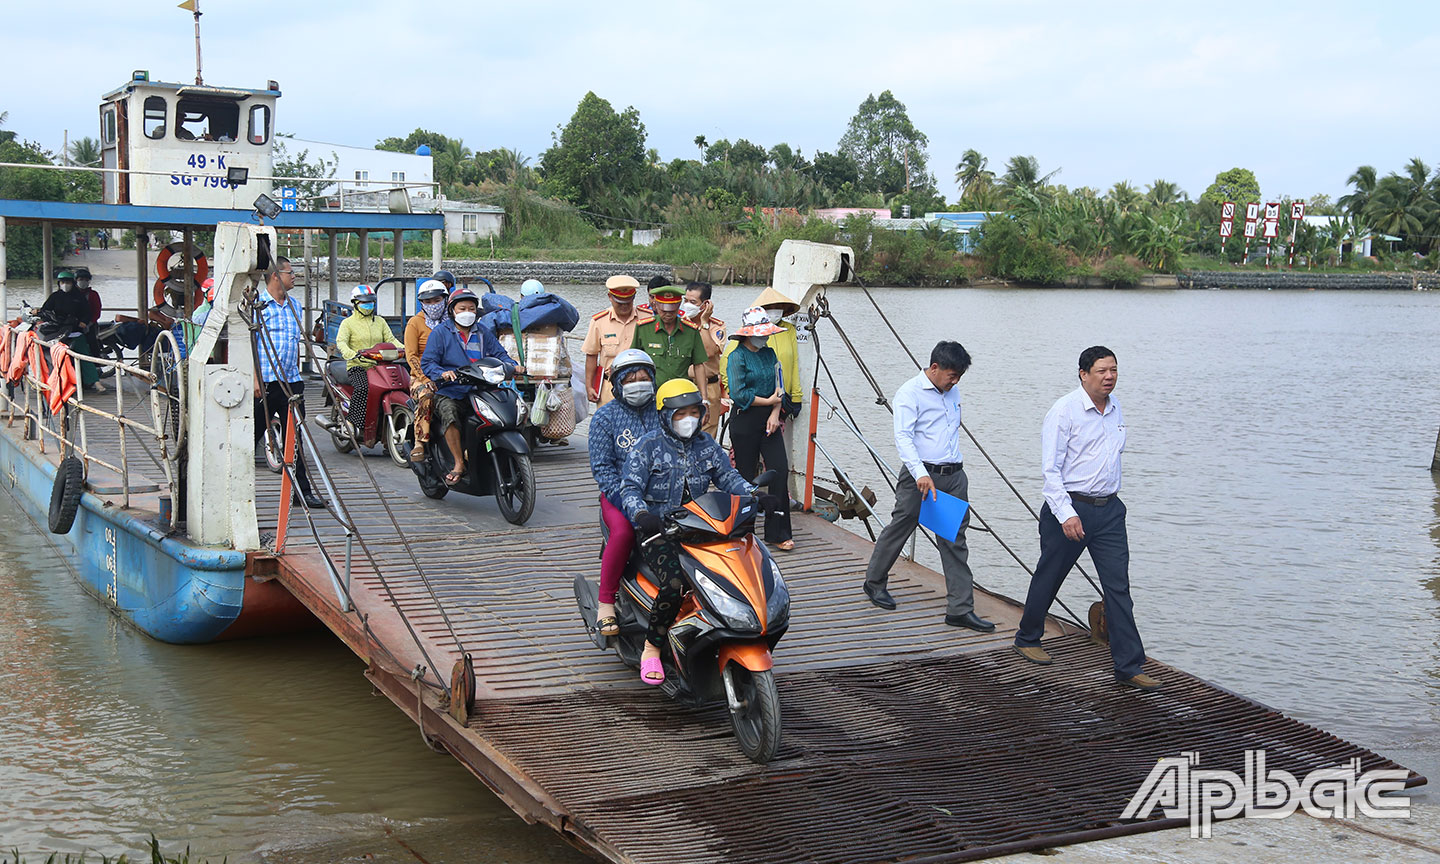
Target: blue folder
[(944, 515)]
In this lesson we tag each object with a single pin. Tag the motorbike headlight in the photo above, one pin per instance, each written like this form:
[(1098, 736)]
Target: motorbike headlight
[(485, 410), (777, 605), (492, 374), (737, 614)]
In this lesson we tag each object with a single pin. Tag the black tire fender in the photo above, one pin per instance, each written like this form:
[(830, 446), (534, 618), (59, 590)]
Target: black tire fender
[(65, 494)]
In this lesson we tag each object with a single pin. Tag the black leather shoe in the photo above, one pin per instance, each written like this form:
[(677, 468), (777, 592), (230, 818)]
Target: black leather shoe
[(315, 502), (971, 621), (880, 597)]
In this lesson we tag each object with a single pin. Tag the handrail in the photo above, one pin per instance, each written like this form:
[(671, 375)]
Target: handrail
[(77, 442)]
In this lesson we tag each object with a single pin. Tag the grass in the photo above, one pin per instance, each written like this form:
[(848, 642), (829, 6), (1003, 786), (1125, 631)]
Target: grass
[(1197, 261), (152, 856)]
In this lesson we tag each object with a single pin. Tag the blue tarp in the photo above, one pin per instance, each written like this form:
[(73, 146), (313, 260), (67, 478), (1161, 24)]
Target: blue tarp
[(537, 310)]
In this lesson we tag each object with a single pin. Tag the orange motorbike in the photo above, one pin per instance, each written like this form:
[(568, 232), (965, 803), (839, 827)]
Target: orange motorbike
[(734, 610)]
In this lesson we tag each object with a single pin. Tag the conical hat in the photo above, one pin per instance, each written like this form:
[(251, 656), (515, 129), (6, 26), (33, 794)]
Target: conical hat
[(771, 297)]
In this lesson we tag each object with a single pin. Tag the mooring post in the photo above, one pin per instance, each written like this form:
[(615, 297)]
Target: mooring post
[(1435, 460)]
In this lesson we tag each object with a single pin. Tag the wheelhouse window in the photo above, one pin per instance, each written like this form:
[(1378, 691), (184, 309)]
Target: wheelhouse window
[(207, 120), (155, 115), (259, 124), (107, 126)]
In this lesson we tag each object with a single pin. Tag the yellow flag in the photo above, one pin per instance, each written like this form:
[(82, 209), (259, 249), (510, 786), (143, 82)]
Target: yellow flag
[(188, 5)]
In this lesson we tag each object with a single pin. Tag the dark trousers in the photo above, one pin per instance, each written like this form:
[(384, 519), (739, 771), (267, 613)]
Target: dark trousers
[(359, 400), (274, 402), (747, 436), (1109, 547), (954, 557)]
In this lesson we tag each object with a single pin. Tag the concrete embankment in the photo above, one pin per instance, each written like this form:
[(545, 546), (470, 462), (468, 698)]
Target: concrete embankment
[(504, 272), (1300, 280)]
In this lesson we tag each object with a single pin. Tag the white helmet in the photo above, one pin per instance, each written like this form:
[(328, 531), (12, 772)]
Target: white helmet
[(432, 289), (362, 292)]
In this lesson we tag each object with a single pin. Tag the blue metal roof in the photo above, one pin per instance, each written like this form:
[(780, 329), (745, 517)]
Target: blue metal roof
[(205, 218)]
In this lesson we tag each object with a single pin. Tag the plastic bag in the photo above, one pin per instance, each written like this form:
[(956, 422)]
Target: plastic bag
[(540, 412), (560, 405)]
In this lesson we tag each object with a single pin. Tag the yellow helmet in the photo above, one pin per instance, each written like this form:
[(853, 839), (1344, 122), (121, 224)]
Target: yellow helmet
[(677, 393)]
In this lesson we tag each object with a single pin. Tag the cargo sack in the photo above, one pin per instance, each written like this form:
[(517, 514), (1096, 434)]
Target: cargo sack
[(560, 405)]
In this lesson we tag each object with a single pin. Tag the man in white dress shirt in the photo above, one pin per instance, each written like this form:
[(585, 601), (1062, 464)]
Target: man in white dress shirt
[(1081, 442), (927, 435)]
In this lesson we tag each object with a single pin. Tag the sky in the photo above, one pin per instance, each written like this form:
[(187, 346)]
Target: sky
[(1299, 92)]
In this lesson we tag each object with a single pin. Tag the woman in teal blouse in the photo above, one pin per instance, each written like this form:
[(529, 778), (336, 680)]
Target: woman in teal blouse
[(753, 373)]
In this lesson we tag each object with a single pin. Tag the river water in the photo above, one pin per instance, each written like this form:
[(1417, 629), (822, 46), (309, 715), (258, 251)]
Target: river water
[(1284, 529)]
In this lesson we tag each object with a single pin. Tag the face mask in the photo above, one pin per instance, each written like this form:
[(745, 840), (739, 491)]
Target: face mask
[(365, 308), (689, 310), (433, 309), (637, 393), (82, 284), (774, 315), (757, 341), (685, 427), (70, 287), (464, 319)]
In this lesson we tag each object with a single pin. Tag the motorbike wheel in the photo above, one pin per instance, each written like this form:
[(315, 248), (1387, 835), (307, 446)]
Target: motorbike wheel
[(515, 487), (757, 721), (400, 435), (430, 472), (274, 444), (337, 430)]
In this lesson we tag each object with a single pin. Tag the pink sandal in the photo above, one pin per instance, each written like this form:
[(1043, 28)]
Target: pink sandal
[(652, 671)]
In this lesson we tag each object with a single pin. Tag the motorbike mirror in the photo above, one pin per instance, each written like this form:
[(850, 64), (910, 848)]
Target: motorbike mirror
[(765, 479)]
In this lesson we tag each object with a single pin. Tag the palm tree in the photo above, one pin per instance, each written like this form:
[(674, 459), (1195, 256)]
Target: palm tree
[(1125, 197), (1163, 193), (701, 142), (971, 174), (85, 151), (1395, 208), (5, 134), (1364, 182), (1023, 172)]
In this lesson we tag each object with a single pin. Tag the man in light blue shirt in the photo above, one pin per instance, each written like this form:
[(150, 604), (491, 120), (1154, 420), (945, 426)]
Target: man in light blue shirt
[(1081, 442), (927, 435)]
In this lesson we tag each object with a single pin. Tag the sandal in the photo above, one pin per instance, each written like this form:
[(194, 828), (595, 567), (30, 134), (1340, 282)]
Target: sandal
[(417, 454), (652, 671), (454, 476), (785, 546), (607, 624)]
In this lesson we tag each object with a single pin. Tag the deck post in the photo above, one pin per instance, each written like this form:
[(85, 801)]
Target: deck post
[(400, 254), (47, 242), (142, 268), (437, 249), (4, 289), (188, 237), (334, 265), (365, 256)]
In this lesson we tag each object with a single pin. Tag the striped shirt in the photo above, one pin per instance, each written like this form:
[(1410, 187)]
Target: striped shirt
[(280, 328)]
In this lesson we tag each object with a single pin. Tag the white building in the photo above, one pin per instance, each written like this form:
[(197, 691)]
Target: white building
[(469, 223), (361, 169)]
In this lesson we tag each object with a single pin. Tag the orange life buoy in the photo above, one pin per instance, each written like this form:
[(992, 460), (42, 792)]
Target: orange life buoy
[(5, 347), (162, 269), (62, 380)]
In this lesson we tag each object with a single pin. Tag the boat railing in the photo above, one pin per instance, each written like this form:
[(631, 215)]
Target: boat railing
[(27, 400)]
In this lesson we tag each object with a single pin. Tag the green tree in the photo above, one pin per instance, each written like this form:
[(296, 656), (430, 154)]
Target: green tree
[(1238, 185), (1023, 172), (834, 170), (1364, 180), (1395, 207), (1125, 198), (1163, 193), (972, 174), (700, 142), (718, 152), (748, 155), (85, 151), (886, 147), (23, 252), (599, 153)]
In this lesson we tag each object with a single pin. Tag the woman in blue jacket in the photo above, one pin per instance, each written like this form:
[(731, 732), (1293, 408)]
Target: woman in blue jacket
[(458, 342), (614, 431)]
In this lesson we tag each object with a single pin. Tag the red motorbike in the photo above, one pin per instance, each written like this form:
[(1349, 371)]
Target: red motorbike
[(389, 412)]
